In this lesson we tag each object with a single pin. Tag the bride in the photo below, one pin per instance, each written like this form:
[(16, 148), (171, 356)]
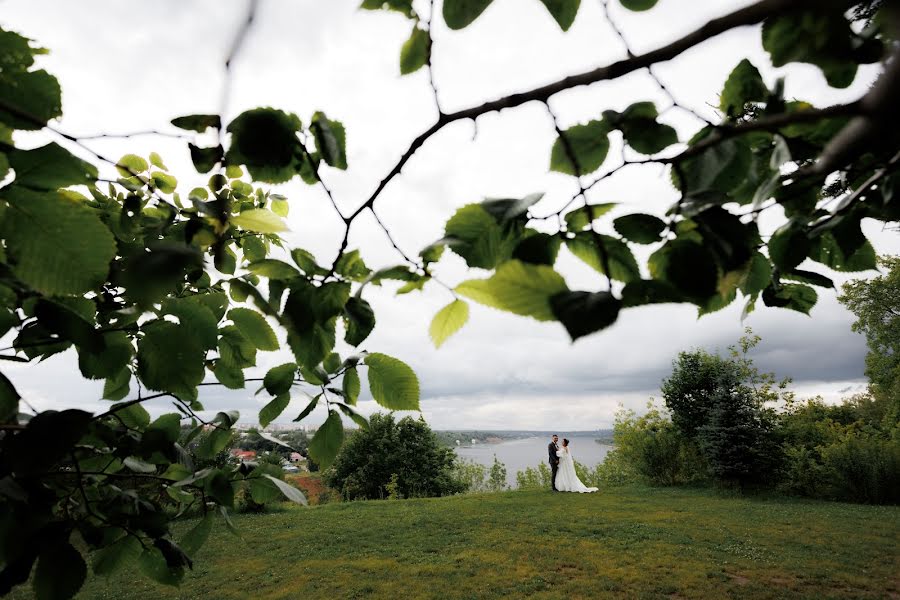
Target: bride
[(566, 479)]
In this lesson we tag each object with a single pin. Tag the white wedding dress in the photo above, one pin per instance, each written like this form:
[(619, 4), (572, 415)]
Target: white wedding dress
[(566, 479)]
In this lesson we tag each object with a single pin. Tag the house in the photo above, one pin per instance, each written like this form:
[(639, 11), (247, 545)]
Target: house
[(243, 454)]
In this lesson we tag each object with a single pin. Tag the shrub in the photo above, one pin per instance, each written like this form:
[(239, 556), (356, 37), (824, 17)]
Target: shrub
[(497, 476), (534, 478), (654, 448), (406, 448), (471, 476), (864, 467), (613, 471)]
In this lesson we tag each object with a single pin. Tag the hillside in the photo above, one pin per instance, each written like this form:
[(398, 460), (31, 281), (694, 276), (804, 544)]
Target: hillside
[(627, 542)]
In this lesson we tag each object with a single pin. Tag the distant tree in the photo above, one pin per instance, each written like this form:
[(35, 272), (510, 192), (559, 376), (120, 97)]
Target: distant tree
[(406, 449), (497, 476), (721, 403), (876, 304)]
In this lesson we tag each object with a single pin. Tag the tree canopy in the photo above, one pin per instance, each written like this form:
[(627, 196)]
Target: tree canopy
[(162, 290)]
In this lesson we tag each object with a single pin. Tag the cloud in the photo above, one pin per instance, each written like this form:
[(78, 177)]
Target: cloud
[(501, 371)]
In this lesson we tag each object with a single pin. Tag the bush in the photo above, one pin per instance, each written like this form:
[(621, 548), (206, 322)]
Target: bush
[(655, 450), (613, 471), (864, 467), (534, 478), (407, 449), (471, 476), (497, 476)]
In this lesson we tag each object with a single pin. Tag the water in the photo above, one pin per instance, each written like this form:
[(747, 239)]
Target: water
[(528, 452)]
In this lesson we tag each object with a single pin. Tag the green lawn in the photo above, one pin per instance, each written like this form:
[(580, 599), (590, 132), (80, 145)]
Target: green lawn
[(629, 543)]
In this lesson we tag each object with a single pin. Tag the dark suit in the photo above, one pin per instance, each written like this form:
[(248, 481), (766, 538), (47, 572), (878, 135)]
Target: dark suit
[(554, 464)]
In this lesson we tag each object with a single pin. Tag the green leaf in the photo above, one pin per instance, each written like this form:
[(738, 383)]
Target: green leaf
[(640, 128), (32, 98), (289, 491), (517, 287), (9, 400), (138, 466), (198, 123), (718, 169), (788, 247), (640, 228), (309, 408), (69, 325), (790, 295), (825, 249), (117, 386), (195, 318), (235, 349), (588, 144), (393, 384), (164, 182), (359, 321), (448, 321), (280, 206), (278, 380), (687, 266), (60, 572), (324, 445), (578, 219), (351, 385), (108, 560), (743, 85), (583, 313), (205, 159), (820, 37), (351, 265), (478, 238), (157, 161), (273, 409), (330, 140), (131, 164), (170, 359), (538, 248), (307, 262), (153, 564), (50, 167), (56, 245), (638, 5), (259, 220), (758, 276), (808, 277), (273, 269), (458, 14), (194, 539), (255, 328), (622, 265), (265, 141), (649, 291), (414, 53), (563, 11), (402, 6)]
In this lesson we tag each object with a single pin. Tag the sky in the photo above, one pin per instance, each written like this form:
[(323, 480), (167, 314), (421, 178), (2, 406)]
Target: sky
[(125, 67)]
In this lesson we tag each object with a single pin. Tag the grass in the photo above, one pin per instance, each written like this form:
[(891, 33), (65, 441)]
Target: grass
[(625, 542)]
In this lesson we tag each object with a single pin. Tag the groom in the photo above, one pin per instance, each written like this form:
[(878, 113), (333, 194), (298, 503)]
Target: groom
[(554, 460)]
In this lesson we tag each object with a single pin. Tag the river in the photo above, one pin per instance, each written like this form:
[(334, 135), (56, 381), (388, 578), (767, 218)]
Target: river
[(528, 452)]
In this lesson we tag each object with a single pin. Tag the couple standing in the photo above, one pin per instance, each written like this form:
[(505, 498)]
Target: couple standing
[(562, 468)]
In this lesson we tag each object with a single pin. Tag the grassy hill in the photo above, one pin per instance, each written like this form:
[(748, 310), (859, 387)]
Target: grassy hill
[(629, 543)]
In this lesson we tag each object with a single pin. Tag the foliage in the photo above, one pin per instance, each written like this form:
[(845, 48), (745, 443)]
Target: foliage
[(849, 451), (496, 481), (472, 476), (876, 304), (720, 404), (655, 450), (406, 452), (694, 542), (157, 288), (534, 478)]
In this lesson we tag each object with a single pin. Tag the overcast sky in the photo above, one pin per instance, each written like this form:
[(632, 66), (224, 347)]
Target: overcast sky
[(127, 67)]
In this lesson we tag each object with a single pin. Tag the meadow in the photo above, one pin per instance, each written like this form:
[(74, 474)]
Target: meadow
[(630, 542)]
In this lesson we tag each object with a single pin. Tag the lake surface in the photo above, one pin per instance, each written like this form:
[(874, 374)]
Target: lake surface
[(529, 452)]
